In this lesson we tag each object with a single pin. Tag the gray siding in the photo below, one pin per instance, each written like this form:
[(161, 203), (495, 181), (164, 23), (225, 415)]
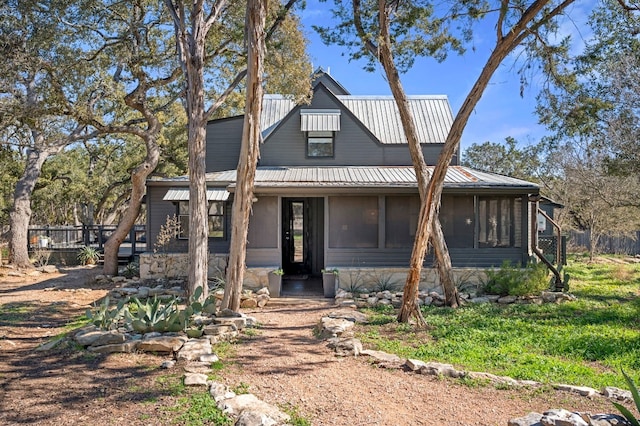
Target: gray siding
[(478, 258), (223, 144), (398, 155), (353, 145), (157, 212), (264, 231)]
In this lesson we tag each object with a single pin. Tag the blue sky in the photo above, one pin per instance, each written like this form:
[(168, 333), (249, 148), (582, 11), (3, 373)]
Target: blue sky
[(500, 113)]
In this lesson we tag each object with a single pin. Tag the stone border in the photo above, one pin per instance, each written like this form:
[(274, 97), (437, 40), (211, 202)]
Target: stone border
[(336, 329)]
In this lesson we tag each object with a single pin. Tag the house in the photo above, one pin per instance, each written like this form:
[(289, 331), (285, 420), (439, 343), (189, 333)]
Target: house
[(335, 188)]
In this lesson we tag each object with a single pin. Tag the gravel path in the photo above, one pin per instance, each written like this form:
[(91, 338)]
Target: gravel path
[(285, 364)]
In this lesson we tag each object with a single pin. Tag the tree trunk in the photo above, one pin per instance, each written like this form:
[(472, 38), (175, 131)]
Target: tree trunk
[(431, 201), (249, 154), (198, 208), (445, 270), (20, 214), (138, 184), (422, 176)]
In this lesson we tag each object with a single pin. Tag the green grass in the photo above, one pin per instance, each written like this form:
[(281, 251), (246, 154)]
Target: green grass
[(199, 409), (584, 342)]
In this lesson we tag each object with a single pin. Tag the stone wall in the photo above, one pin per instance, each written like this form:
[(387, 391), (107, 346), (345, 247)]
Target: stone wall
[(363, 280), (175, 265)]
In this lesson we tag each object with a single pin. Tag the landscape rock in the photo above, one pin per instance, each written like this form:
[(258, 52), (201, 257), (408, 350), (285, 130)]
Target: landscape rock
[(218, 329), (617, 394), (249, 303), (333, 327), (239, 322), (195, 379), (384, 359), (254, 418), (262, 300), (562, 417), (219, 392), (126, 347), (209, 358), (168, 364), (346, 347), (99, 338), (49, 269), (350, 315), (506, 300), (580, 390), (531, 419), (161, 344), (194, 349), (239, 403)]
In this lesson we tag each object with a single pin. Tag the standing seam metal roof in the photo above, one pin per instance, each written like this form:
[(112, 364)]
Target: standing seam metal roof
[(379, 176), (432, 115)]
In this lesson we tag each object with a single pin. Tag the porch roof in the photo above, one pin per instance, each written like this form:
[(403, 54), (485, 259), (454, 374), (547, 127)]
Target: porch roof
[(368, 177), (182, 194)]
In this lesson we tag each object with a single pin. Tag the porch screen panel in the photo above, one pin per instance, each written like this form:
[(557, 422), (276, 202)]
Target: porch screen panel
[(457, 219), (401, 220), (353, 222), (263, 224), (500, 222)]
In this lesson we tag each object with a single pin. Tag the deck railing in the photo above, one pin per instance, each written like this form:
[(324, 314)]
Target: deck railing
[(72, 237)]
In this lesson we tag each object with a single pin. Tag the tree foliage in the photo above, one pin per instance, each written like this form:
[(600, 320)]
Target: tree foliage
[(506, 159), (594, 97), (517, 23)]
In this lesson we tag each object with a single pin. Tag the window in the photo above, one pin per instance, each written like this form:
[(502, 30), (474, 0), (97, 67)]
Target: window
[(215, 223), (319, 144), (353, 222), (500, 222), (457, 219), (401, 220), (263, 224)]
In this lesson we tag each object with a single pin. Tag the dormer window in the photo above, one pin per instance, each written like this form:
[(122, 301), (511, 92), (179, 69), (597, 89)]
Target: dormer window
[(320, 126)]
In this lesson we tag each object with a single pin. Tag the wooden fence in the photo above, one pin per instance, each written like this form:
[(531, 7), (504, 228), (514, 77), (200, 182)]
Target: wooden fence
[(607, 244)]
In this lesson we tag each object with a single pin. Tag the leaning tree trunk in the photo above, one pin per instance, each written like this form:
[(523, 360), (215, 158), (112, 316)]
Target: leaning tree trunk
[(409, 304), (20, 214), (136, 100), (428, 213), (249, 154), (445, 269), (138, 180)]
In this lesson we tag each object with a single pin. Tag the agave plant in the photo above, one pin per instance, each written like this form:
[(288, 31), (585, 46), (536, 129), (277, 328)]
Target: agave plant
[(157, 315), (636, 398), (105, 317)]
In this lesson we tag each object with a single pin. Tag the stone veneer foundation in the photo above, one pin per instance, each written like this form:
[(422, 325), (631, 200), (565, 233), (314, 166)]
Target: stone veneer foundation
[(175, 265)]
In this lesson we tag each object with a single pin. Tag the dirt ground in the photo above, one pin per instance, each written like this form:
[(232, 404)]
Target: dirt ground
[(281, 362)]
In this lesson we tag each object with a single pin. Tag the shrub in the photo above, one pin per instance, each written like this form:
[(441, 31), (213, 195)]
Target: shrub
[(515, 281)]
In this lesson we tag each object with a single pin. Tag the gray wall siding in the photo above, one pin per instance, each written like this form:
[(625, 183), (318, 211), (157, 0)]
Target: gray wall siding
[(398, 155), (157, 212), (479, 258), (223, 144), (353, 146)]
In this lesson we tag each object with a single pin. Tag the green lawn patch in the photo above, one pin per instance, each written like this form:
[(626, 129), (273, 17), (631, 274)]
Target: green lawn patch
[(584, 342)]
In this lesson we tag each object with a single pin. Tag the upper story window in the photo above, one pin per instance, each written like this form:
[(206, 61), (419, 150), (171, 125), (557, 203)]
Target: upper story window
[(320, 144), (320, 126)]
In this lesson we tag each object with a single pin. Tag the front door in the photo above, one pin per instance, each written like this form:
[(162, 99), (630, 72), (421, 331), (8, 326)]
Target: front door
[(302, 236)]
